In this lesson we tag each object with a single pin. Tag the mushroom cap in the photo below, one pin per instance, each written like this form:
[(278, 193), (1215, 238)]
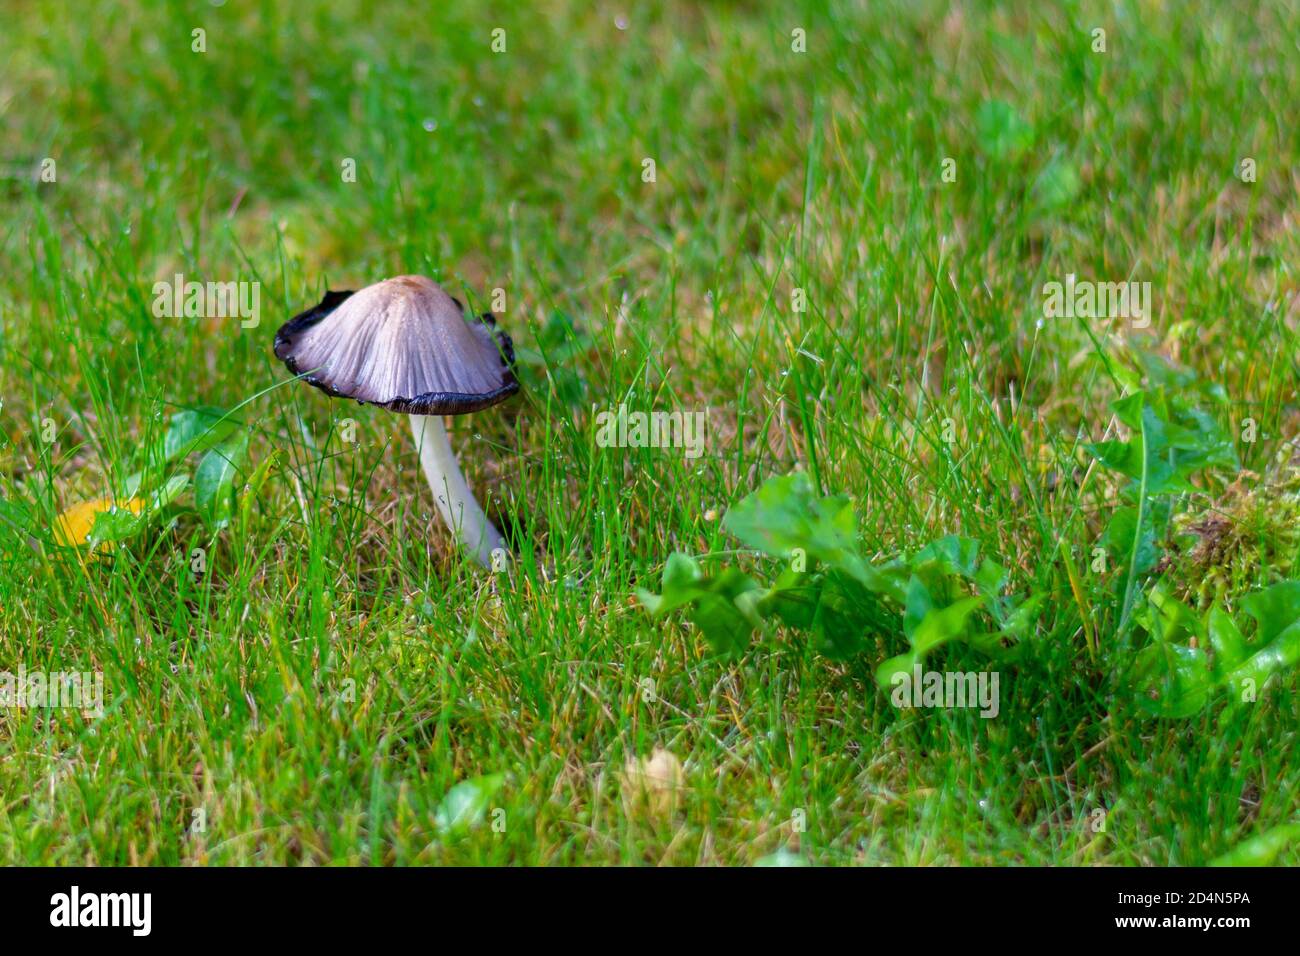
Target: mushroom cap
[(402, 344)]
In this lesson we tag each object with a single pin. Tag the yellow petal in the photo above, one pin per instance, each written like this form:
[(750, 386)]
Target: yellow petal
[(73, 527)]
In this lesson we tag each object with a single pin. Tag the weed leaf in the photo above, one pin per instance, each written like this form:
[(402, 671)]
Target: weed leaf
[(214, 480), (196, 429), (467, 804)]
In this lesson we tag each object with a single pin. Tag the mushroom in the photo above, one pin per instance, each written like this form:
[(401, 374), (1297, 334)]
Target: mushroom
[(404, 344)]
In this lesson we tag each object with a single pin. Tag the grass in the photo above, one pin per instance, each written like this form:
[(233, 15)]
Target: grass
[(339, 667)]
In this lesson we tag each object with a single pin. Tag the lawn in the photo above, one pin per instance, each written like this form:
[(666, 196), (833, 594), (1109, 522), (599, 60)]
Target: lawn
[(823, 230)]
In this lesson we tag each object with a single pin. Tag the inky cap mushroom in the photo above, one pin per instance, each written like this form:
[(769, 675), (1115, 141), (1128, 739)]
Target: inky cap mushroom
[(403, 344)]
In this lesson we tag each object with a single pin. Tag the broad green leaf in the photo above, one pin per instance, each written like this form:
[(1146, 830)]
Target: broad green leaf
[(918, 604), (214, 480), (1275, 609), (1022, 619), (169, 492), (793, 598), (118, 524), (942, 625), (98, 521), (727, 616), (1126, 458), (1176, 680), (944, 565), (952, 555), (991, 578), (786, 514), (1128, 409), (105, 521), (936, 627), (1118, 539), (1003, 643), (1164, 374), (1180, 440), (1275, 645), (467, 804), (196, 429), (1122, 456), (844, 616), (1226, 639), (1206, 437), (132, 485), (902, 664), (724, 607), (837, 609), (1173, 620), (837, 596), (681, 586), (1172, 680), (1281, 653)]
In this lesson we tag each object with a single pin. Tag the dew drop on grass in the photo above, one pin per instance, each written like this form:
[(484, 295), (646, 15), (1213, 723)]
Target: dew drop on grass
[(620, 21), (430, 125)]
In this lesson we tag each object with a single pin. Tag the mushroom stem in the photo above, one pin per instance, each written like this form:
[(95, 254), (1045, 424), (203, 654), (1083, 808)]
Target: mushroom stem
[(456, 502)]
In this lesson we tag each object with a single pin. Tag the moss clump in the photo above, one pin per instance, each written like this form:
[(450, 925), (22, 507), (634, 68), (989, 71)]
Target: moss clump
[(1249, 538)]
